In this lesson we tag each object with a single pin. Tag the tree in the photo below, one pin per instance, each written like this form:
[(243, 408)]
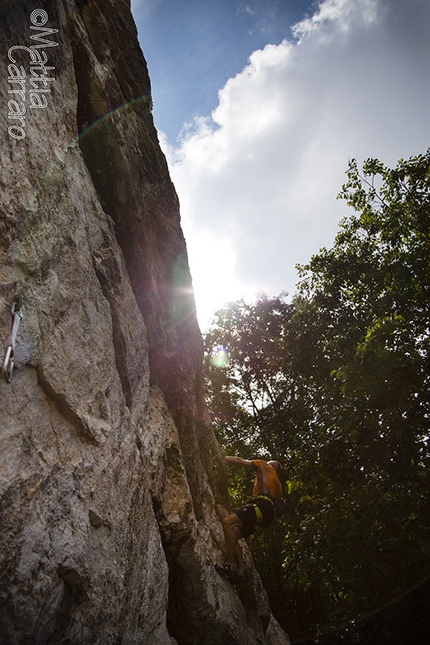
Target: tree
[(335, 384), (375, 285)]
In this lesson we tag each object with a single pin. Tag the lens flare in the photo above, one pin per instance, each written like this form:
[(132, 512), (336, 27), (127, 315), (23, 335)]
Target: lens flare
[(220, 356)]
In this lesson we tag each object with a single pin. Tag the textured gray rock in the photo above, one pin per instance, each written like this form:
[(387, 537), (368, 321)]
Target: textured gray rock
[(112, 484)]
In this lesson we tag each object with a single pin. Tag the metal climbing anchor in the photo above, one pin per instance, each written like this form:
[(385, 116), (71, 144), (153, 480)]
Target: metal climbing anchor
[(9, 357)]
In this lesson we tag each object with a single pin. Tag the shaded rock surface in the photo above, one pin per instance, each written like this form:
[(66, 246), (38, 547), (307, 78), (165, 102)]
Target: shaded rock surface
[(111, 480)]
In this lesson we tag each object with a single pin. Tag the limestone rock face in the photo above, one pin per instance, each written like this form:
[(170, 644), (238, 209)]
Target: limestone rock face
[(112, 484)]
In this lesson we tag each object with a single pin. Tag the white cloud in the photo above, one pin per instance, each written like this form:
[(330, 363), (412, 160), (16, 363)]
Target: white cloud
[(334, 16), (259, 177)]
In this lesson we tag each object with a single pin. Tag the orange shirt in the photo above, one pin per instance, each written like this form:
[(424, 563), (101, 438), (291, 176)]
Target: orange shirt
[(268, 483)]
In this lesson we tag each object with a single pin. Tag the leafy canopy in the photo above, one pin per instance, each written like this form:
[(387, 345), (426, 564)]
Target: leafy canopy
[(335, 384)]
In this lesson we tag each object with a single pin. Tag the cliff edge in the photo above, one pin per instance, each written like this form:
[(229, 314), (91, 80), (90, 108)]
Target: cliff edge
[(112, 484)]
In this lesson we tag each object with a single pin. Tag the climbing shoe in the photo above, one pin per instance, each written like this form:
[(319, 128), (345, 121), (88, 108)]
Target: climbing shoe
[(231, 574), (226, 571), (237, 579)]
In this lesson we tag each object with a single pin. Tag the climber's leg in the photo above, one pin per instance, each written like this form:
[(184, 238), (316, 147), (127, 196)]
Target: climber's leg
[(231, 525), (239, 555)]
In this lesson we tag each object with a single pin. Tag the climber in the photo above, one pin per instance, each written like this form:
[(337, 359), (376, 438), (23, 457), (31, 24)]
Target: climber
[(251, 518)]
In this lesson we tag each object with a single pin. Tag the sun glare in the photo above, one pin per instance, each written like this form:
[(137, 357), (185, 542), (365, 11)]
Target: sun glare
[(220, 356), (212, 264)]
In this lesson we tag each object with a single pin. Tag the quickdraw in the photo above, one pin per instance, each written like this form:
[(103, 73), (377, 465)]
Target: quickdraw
[(9, 357)]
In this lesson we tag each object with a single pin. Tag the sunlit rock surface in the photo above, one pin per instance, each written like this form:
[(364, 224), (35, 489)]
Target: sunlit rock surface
[(111, 480)]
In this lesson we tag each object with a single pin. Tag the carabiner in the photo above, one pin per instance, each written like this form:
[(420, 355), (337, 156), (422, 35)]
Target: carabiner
[(9, 358)]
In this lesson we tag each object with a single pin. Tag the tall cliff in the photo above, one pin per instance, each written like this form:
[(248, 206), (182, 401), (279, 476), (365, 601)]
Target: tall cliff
[(112, 483)]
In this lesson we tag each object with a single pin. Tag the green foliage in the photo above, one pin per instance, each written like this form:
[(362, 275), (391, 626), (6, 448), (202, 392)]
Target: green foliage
[(374, 285), (251, 395), (335, 385)]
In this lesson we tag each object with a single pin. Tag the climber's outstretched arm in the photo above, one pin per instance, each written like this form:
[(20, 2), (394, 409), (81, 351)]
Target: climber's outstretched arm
[(238, 461)]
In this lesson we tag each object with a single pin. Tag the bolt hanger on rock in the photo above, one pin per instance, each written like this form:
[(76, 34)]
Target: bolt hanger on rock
[(9, 358)]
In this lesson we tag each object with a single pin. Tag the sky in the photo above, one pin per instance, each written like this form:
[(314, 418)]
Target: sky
[(260, 105)]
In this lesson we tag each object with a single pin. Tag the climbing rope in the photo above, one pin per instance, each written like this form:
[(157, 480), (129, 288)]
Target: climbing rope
[(9, 357)]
